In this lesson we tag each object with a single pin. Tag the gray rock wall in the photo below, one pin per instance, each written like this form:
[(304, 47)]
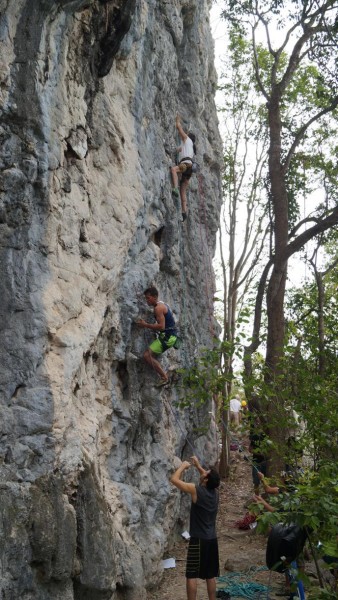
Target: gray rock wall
[(89, 90)]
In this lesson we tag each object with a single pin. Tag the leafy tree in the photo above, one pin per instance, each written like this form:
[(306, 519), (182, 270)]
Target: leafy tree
[(244, 217), (298, 80)]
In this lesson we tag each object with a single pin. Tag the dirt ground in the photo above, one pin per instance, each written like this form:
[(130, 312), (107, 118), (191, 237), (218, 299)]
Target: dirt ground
[(240, 551)]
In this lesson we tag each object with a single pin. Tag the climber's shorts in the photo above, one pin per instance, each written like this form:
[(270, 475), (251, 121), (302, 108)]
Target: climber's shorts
[(162, 343), (185, 169), (202, 559)]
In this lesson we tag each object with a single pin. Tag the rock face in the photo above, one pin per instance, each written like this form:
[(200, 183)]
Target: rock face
[(89, 90)]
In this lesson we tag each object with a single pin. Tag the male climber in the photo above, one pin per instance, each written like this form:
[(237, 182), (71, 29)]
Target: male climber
[(186, 153), (166, 329)]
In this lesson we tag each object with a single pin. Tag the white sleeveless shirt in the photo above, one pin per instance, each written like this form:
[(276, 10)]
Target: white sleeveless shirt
[(187, 150)]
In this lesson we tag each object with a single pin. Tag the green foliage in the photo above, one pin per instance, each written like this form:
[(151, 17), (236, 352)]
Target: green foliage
[(311, 503), (321, 594), (298, 400), (312, 87), (207, 377), (302, 328)]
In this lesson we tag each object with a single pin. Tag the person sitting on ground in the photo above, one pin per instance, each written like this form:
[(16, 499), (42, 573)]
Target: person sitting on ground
[(166, 329), (202, 557), (184, 168)]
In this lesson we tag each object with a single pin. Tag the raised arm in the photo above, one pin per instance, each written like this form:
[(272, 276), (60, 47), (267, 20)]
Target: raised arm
[(260, 500), (182, 133), (196, 463), (268, 488), (188, 488)]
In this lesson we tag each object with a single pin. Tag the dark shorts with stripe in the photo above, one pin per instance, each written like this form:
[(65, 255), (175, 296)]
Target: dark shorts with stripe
[(202, 559)]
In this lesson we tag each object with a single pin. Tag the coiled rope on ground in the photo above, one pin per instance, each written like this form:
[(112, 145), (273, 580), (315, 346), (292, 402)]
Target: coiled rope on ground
[(240, 585)]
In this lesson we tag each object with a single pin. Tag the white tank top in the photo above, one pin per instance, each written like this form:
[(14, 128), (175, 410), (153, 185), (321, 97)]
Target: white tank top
[(187, 150)]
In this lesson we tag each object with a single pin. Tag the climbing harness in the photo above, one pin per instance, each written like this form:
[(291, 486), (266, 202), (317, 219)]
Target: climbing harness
[(195, 167)]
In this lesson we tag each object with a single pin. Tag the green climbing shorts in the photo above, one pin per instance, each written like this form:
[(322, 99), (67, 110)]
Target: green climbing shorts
[(161, 344)]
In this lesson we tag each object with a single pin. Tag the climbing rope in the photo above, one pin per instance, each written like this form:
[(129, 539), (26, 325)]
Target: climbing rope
[(240, 447), (184, 320), (240, 585), (186, 439), (209, 284)]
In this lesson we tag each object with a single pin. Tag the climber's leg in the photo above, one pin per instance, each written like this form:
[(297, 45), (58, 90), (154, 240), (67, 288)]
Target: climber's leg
[(149, 357), (174, 178), (183, 193)]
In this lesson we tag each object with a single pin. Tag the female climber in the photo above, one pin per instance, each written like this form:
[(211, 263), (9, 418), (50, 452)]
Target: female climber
[(186, 153)]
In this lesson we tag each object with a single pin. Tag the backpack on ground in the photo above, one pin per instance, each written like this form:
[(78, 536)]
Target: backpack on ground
[(285, 541)]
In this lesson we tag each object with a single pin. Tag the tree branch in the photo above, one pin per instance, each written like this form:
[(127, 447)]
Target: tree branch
[(330, 221), (303, 129), (256, 67)]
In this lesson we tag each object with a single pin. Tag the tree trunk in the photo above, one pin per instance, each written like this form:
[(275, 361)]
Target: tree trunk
[(277, 282)]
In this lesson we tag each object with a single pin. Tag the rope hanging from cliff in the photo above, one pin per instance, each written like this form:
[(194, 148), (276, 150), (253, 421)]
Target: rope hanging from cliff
[(183, 321), (209, 285), (186, 439)]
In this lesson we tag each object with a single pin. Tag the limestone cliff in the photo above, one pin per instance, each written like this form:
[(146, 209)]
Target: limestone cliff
[(89, 90)]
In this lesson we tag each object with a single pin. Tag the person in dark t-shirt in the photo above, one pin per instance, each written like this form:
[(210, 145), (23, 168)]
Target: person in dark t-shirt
[(202, 557)]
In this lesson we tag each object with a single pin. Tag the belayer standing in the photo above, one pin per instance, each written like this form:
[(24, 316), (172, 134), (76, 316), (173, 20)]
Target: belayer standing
[(165, 327), (202, 557), (186, 153)]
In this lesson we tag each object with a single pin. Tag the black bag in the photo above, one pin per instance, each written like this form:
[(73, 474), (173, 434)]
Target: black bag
[(284, 541)]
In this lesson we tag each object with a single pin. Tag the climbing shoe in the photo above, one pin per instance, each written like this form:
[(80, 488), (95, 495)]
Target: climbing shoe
[(163, 382), (175, 192), (184, 216)]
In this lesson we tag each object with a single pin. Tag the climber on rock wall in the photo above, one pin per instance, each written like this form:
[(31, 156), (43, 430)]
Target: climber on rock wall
[(165, 328), (186, 153)]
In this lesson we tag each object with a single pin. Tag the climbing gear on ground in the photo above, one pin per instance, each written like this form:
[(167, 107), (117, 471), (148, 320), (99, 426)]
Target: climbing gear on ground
[(178, 343), (184, 216), (175, 192), (240, 585), (247, 520)]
